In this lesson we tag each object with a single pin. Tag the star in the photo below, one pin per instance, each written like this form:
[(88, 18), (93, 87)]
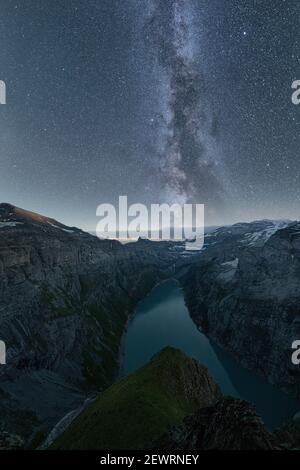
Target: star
[(165, 101)]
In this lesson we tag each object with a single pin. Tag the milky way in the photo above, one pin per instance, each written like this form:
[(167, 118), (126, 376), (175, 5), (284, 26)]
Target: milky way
[(159, 100), (188, 157)]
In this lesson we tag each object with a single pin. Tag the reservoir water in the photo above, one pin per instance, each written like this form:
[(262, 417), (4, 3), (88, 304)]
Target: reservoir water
[(162, 319)]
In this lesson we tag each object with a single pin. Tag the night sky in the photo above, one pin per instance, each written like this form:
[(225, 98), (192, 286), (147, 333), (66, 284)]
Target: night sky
[(161, 100)]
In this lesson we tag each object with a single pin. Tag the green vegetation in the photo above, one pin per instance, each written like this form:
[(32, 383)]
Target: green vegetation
[(141, 407)]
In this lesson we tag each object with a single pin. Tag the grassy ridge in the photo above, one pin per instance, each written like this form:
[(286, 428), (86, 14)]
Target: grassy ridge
[(142, 406)]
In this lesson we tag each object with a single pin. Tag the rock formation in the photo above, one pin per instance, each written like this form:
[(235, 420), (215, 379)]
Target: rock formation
[(244, 293)]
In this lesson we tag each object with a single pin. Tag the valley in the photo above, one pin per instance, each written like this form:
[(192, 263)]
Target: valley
[(66, 298)]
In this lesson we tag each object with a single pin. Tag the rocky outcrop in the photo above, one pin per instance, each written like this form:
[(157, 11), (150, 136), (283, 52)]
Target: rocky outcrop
[(289, 434), (10, 441), (170, 404), (231, 424), (244, 294)]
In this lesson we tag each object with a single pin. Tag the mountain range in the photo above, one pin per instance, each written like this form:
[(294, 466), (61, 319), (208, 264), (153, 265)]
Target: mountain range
[(66, 298)]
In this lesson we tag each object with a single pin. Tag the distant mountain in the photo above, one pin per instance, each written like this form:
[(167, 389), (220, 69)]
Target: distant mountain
[(12, 216), (246, 234)]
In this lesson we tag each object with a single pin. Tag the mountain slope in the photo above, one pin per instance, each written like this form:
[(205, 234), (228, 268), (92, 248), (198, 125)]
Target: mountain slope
[(173, 404), (140, 407), (65, 299), (244, 293), (231, 424)]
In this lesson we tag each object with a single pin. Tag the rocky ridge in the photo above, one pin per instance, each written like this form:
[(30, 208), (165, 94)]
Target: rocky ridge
[(230, 424)]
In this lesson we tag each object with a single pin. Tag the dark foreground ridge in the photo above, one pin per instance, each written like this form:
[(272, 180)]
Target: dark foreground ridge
[(230, 424), (172, 403), (140, 407)]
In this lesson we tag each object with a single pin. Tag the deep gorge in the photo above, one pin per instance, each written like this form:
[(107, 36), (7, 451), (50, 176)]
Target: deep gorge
[(66, 297)]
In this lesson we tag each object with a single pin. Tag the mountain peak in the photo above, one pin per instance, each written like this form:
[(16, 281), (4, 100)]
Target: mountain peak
[(13, 216)]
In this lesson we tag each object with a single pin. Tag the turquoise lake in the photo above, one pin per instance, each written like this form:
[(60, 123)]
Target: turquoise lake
[(162, 319)]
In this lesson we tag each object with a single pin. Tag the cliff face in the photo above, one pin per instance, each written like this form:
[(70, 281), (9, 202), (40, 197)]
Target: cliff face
[(244, 293), (65, 298), (230, 424)]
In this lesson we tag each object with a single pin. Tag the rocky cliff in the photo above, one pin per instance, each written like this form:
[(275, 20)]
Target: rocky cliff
[(231, 424), (244, 293), (65, 299)]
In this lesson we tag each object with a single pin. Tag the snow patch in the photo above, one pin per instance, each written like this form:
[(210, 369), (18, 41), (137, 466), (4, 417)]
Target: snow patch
[(10, 224), (265, 234), (234, 263), (60, 228)]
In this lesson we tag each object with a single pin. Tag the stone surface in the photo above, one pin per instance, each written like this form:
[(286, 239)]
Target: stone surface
[(289, 434), (231, 424), (10, 441), (65, 299), (244, 292)]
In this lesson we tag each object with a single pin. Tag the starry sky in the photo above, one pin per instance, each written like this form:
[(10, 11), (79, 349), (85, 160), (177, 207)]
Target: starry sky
[(162, 100)]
